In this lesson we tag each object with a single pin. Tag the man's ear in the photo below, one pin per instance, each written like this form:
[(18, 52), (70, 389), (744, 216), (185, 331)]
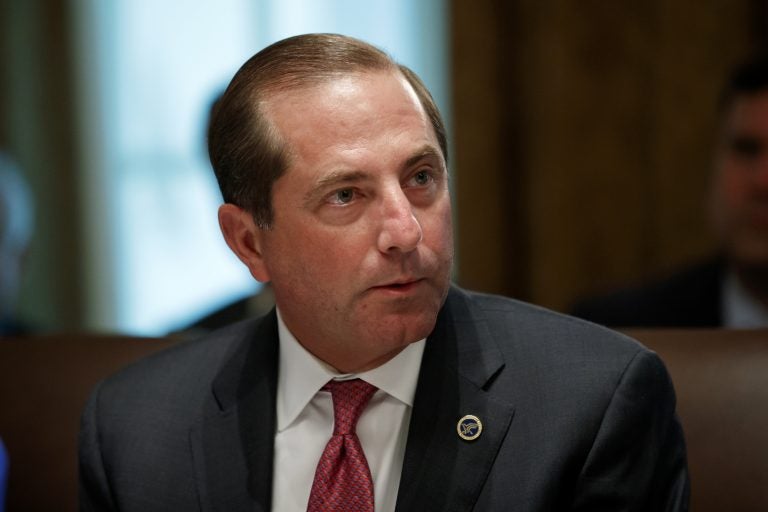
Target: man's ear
[(244, 238)]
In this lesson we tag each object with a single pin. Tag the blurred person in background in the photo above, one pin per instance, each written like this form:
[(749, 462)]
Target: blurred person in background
[(730, 289), (16, 225)]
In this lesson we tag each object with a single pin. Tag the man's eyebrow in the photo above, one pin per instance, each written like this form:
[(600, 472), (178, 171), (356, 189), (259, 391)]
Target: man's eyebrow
[(426, 151)]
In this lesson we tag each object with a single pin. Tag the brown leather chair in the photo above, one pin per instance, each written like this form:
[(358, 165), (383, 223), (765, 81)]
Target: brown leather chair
[(44, 383), (721, 380)]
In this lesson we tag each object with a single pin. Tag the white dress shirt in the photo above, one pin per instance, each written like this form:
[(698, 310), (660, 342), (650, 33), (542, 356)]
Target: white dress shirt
[(739, 308), (305, 421)]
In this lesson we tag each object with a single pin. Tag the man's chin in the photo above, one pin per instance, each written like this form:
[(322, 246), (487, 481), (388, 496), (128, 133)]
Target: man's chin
[(405, 318), (410, 328)]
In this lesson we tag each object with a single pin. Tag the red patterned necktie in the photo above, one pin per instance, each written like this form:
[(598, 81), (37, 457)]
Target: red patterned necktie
[(342, 479)]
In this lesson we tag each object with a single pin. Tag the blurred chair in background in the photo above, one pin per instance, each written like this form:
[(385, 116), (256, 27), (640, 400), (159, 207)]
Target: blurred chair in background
[(731, 288), (16, 225), (45, 380), (721, 382)]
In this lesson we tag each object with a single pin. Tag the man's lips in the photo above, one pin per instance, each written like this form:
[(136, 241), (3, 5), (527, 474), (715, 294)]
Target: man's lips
[(399, 285)]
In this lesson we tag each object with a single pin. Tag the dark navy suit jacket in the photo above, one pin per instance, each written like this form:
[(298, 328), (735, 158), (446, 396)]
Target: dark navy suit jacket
[(575, 417)]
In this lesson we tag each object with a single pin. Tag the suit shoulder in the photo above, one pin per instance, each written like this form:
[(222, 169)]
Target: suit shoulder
[(522, 324), (182, 368), (548, 355)]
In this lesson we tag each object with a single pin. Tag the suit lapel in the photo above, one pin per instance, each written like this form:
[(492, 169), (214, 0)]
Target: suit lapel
[(233, 444), (441, 471)]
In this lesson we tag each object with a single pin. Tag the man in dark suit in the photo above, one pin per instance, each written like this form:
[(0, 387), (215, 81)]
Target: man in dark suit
[(331, 160), (731, 289)]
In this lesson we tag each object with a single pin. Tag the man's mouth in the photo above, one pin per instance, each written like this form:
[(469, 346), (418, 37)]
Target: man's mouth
[(400, 285)]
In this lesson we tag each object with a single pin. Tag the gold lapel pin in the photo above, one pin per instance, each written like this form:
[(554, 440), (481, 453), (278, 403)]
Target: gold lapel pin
[(469, 427)]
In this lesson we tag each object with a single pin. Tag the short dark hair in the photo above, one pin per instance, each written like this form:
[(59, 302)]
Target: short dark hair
[(750, 77), (246, 151)]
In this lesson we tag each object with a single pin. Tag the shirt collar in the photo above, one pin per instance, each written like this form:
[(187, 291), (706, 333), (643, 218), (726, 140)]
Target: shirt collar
[(740, 309), (301, 375)]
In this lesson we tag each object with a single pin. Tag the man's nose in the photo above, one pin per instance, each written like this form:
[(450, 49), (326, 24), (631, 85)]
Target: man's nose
[(400, 229)]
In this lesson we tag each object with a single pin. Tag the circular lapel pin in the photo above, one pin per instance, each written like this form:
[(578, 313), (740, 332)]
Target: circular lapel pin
[(469, 427)]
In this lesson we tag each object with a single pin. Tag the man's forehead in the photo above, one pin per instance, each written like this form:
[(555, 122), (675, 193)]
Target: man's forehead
[(341, 104), (335, 85)]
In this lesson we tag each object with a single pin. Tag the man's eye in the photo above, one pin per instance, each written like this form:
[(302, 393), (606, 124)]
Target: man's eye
[(746, 146), (343, 196), (422, 178)]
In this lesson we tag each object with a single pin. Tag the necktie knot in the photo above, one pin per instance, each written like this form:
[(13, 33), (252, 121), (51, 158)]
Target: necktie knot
[(349, 400)]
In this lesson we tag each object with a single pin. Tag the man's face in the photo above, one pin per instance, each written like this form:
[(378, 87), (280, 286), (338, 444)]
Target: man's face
[(360, 250), (740, 189)]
